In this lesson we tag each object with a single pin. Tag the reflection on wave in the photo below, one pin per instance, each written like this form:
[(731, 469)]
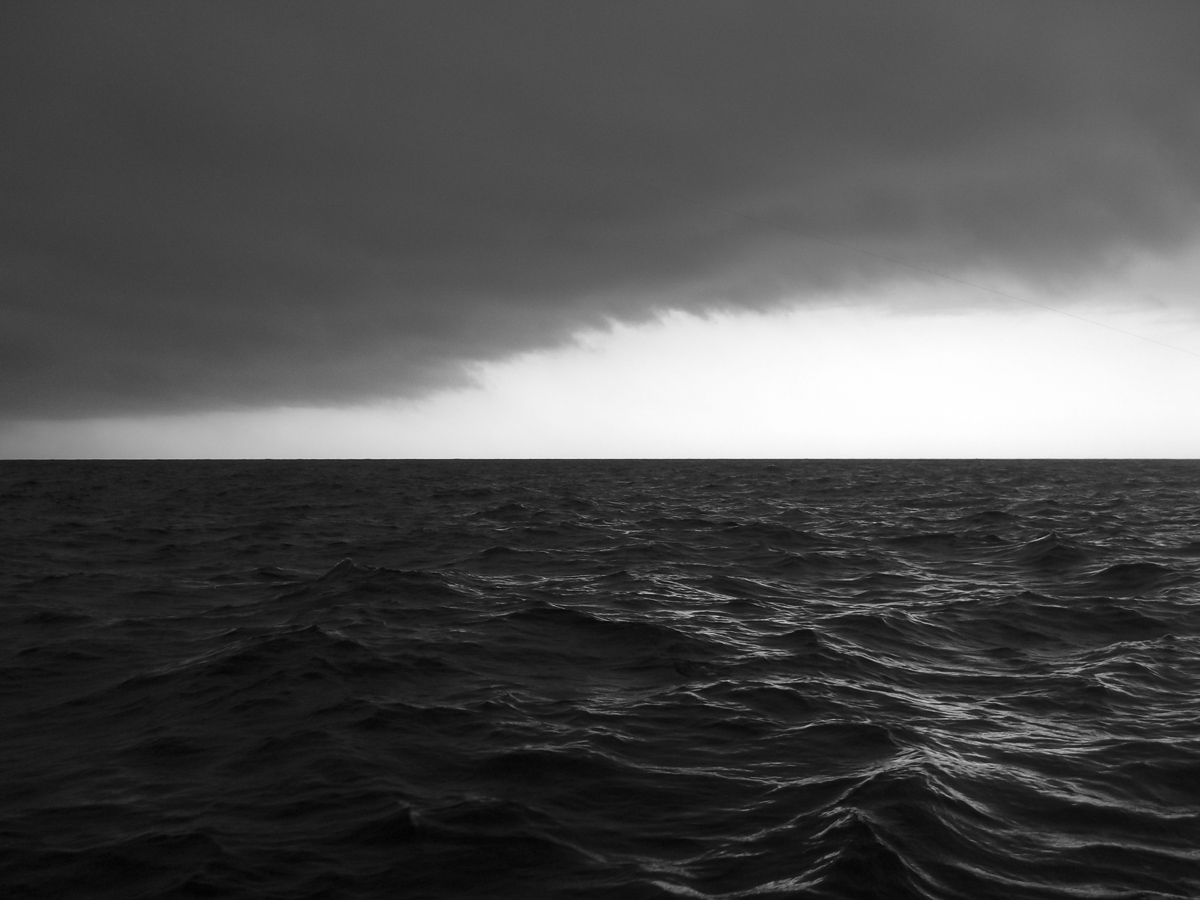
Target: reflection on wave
[(625, 680)]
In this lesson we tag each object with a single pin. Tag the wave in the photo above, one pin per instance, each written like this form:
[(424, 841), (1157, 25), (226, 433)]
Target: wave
[(715, 680)]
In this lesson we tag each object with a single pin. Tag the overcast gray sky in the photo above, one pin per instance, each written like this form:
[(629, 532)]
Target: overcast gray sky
[(230, 205)]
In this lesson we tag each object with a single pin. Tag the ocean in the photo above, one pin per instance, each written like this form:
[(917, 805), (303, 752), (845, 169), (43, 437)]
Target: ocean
[(595, 679)]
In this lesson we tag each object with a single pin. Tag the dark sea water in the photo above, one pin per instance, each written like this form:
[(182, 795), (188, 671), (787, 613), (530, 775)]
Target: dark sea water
[(600, 679)]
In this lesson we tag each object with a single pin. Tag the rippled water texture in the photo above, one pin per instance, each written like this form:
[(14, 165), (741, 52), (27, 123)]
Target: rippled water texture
[(609, 680)]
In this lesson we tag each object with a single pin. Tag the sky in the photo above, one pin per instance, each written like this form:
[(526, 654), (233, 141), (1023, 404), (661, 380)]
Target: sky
[(676, 228)]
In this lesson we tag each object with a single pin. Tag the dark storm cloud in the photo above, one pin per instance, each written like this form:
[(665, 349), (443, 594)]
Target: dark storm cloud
[(220, 204)]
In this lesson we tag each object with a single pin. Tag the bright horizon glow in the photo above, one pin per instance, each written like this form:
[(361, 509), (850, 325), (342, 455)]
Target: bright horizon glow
[(857, 380)]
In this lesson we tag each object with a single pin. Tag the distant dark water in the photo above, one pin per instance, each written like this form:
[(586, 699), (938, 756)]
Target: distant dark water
[(600, 680)]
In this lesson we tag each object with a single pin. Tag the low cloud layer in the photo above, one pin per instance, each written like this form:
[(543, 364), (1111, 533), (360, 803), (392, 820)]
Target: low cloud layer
[(220, 205)]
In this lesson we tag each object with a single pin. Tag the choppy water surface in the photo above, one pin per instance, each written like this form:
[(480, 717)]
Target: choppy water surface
[(609, 680)]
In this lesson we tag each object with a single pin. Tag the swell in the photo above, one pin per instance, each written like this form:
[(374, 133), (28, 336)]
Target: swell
[(831, 680)]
